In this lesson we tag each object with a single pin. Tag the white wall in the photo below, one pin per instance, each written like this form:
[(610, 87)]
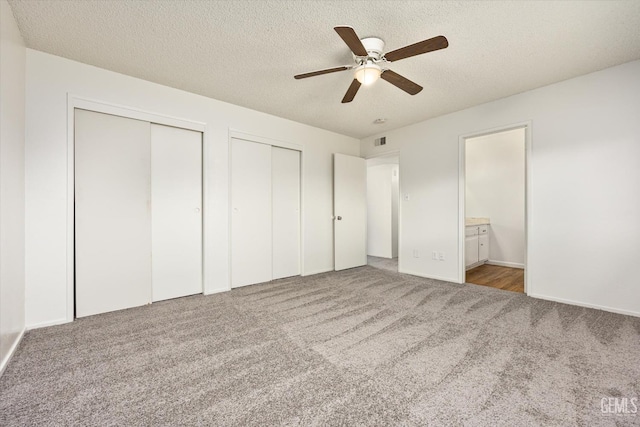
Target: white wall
[(495, 181), (585, 170), (379, 211), (12, 103), (50, 78)]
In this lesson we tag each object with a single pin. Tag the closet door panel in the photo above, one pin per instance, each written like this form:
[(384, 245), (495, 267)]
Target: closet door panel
[(176, 212), (112, 213), (251, 244), (286, 212)]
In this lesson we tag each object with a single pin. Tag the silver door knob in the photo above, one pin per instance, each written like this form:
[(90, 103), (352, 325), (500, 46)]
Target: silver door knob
[(339, 218)]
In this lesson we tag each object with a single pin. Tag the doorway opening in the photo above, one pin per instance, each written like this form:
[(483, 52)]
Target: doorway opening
[(383, 192), (494, 208)]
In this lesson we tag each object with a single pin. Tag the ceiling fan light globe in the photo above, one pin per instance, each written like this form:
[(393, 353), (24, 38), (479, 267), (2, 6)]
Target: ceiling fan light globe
[(368, 73)]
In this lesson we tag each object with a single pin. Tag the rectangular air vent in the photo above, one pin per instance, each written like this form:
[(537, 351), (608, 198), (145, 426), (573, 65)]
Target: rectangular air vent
[(380, 141)]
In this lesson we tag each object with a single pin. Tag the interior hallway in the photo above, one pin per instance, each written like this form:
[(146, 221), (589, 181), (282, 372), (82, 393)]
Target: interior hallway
[(389, 264)]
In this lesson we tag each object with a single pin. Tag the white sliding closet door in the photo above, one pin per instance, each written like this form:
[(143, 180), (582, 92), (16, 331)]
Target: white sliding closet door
[(176, 212), (251, 243), (112, 213), (285, 173)]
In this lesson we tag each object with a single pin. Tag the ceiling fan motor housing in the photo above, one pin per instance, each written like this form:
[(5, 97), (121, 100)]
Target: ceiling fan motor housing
[(374, 47)]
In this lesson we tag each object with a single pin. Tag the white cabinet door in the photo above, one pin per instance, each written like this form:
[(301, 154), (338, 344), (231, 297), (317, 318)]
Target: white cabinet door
[(350, 211), (251, 225), (483, 247), (470, 250), (285, 174), (176, 212), (112, 213)]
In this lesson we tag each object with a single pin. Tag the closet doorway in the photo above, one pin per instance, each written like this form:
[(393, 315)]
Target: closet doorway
[(265, 212), (138, 212)]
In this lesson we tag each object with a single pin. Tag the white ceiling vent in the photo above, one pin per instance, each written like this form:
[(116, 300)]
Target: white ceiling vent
[(380, 141)]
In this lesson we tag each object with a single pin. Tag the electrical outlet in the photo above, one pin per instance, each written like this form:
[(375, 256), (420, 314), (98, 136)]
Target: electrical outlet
[(434, 255), (441, 256), (416, 253)]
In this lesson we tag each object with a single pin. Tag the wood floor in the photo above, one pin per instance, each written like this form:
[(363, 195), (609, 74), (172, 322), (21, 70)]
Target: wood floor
[(508, 279)]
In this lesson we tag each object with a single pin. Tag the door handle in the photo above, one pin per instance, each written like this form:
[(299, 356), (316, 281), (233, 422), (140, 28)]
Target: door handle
[(339, 218)]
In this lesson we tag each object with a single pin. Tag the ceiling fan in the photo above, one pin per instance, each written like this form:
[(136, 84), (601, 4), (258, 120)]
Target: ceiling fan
[(370, 63)]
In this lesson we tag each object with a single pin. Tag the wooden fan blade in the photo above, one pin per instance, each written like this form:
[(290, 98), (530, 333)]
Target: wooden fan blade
[(351, 92), (401, 82), (352, 40), (319, 73), (419, 48)]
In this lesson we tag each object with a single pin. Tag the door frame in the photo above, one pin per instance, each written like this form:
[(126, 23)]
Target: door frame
[(237, 134), (79, 102), (527, 196)]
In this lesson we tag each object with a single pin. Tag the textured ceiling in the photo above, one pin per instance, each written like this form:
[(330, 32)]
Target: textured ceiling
[(247, 52)]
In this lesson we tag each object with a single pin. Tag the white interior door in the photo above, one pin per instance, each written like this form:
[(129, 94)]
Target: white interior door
[(285, 173), (112, 213), (350, 211), (176, 212), (251, 243)]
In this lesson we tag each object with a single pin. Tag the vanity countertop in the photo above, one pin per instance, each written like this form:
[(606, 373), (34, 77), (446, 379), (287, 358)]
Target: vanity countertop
[(469, 222)]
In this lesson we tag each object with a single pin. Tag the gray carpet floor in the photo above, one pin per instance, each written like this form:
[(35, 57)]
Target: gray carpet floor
[(389, 264), (359, 347)]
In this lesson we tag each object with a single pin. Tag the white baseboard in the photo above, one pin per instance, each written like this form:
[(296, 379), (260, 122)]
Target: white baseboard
[(587, 305), (506, 264), (48, 323), (14, 346), (444, 279)]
